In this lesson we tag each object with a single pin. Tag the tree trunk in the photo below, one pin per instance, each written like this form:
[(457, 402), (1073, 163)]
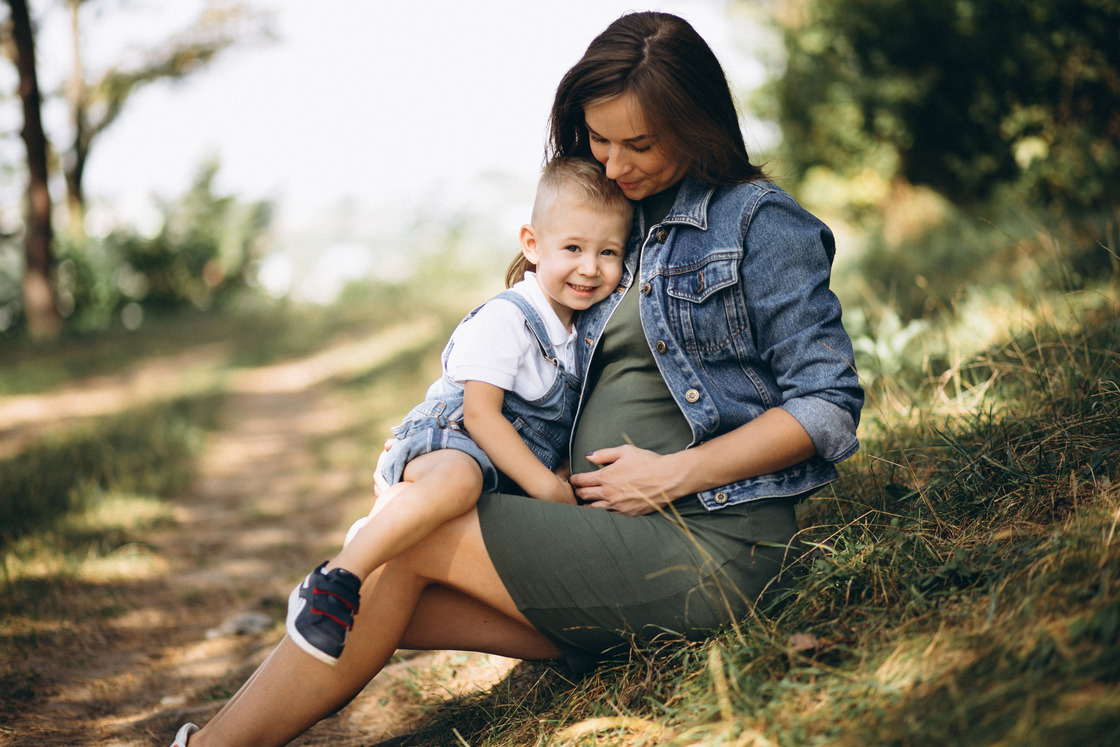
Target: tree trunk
[(74, 162), (38, 294)]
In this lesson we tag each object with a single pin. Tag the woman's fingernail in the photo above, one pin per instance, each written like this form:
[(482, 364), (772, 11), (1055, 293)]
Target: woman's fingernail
[(588, 453)]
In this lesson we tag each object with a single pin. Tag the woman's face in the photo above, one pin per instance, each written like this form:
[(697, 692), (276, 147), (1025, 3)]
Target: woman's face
[(634, 157)]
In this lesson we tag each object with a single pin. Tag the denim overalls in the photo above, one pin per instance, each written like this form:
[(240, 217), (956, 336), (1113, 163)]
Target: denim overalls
[(544, 424)]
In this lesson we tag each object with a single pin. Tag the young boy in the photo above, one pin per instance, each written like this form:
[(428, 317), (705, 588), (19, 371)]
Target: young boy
[(510, 360)]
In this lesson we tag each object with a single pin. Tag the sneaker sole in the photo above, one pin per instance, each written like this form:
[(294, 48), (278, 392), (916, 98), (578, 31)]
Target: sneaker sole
[(295, 603)]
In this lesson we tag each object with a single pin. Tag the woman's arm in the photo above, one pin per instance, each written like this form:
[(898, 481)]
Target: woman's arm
[(482, 413), (636, 481)]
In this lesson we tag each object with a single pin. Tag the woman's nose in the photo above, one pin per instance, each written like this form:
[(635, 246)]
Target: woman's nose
[(615, 164)]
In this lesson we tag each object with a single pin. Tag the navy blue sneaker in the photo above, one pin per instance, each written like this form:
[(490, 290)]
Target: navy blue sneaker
[(321, 612)]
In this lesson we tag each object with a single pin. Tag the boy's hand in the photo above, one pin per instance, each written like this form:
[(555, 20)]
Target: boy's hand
[(379, 483), (557, 492)]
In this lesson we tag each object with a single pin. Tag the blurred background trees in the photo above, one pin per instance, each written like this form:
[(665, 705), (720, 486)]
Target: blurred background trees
[(180, 264), (96, 98), (37, 291), (954, 138), (917, 127), (966, 97)]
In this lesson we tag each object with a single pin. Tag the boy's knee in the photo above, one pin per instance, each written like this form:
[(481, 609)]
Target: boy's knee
[(465, 475)]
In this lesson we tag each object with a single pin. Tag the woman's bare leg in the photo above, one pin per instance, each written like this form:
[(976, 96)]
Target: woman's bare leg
[(478, 627), (464, 606)]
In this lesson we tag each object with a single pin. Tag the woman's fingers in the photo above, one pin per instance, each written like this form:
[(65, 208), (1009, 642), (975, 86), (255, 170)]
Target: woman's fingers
[(630, 481)]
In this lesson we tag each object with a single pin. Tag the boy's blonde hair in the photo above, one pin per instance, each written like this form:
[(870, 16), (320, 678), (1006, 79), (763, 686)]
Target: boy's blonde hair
[(589, 182)]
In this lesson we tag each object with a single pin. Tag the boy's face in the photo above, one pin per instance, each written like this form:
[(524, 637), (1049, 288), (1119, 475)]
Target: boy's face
[(578, 253)]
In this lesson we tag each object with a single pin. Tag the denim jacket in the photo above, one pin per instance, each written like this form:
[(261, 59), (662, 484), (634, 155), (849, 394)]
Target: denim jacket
[(736, 307)]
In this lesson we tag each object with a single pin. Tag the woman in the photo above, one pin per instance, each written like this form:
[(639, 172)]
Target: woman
[(719, 390)]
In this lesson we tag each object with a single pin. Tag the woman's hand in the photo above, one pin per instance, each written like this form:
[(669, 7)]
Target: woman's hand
[(631, 481)]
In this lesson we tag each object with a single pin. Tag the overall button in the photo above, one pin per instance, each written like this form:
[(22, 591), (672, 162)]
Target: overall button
[(661, 346), (692, 395), (646, 289), (662, 236), (721, 497)]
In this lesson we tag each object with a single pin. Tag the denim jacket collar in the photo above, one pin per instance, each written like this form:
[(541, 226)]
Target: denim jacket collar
[(690, 207)]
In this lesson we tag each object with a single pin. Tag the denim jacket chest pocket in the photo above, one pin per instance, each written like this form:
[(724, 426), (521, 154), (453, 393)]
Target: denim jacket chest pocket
[(706, 304)]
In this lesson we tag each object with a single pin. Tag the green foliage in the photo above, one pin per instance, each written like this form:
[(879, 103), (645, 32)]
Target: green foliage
[(963, 96), (201, 257), (146, 450), (953, 267)]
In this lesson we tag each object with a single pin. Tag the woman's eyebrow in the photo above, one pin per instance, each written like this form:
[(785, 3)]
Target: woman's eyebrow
[(627, 140)]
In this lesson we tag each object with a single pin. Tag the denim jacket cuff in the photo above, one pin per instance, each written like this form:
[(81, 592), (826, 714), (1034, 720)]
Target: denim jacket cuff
[(830, 426)]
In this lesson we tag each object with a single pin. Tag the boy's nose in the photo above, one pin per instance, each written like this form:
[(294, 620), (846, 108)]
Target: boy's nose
[(589, 264)]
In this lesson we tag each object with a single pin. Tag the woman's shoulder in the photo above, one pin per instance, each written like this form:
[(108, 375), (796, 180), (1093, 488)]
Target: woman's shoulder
[(756, 190), (757, 200)]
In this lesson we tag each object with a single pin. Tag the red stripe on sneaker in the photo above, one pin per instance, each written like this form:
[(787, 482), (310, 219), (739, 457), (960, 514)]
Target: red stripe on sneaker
[(332, 617), (336, 596)]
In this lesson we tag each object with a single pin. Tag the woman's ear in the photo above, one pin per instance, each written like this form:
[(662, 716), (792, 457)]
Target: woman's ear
[(529, 243)]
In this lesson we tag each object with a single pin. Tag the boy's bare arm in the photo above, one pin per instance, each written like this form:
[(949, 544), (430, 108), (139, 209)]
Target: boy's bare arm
[(482, 411)]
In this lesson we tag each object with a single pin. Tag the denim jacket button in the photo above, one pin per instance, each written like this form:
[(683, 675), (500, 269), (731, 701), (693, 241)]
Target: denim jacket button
[(692, 395), (646, 289), (661, 346), (662, 236), (721, 497)]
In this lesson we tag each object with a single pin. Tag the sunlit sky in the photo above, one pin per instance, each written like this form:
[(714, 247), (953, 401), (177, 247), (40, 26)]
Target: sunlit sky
[(389, 105)]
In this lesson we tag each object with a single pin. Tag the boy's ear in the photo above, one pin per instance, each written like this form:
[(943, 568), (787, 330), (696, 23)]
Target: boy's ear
[(529, 243)]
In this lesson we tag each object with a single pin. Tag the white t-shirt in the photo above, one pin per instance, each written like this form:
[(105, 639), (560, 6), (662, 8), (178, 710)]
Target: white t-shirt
[(496, 347)]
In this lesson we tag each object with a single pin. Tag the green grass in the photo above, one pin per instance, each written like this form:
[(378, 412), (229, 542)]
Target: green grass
[(148, 449)]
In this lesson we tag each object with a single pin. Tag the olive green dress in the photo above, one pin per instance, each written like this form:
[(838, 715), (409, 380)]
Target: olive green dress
[(590, 579)]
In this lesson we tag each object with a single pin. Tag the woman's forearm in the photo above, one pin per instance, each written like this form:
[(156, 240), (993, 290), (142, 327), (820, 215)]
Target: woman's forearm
[(769, 443), (636, 481)]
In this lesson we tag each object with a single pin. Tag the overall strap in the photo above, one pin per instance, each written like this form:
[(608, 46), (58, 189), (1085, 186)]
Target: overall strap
[(534, 322)]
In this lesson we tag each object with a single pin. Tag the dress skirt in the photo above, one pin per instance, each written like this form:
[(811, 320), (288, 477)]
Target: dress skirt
[(591, 580)]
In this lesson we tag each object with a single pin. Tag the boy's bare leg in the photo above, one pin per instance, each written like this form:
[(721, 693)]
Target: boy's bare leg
[(443, 592), (439, 486)]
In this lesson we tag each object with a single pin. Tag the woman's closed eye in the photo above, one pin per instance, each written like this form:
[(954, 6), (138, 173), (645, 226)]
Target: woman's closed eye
[(600, 140)]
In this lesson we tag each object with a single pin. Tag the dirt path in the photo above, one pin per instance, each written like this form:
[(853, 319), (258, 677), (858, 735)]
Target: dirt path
[(263, 511)]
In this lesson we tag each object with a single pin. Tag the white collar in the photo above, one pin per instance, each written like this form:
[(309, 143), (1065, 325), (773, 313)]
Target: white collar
[(532, 291)]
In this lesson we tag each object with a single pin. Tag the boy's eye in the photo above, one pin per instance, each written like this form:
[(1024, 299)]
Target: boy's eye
[(571, 248)]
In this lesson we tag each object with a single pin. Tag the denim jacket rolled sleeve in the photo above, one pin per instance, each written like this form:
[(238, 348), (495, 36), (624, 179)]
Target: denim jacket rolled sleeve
[(736, 306), (787, 263)]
